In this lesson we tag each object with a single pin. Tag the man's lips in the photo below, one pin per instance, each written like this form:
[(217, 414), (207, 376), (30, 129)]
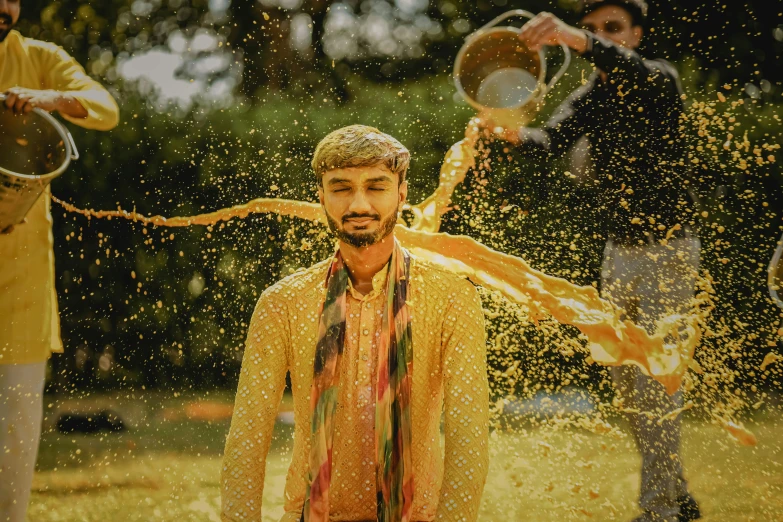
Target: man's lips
[(360, 221)]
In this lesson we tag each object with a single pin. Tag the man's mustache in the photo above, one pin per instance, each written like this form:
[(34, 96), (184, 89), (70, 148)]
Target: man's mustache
[(6, 19), (355, 215)]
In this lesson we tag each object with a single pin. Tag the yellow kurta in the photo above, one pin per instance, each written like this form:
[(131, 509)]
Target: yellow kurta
[(29, 325), (449, 376)]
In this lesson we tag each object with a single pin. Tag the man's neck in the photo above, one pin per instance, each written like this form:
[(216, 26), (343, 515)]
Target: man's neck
[(364, 262)]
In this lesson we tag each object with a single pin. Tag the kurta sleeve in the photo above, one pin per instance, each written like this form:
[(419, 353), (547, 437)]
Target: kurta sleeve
[(261, 384), (62, 73), (466, 408)]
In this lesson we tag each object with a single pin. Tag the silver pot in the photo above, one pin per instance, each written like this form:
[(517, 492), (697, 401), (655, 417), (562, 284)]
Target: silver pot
[(500, 76), (35, 148)]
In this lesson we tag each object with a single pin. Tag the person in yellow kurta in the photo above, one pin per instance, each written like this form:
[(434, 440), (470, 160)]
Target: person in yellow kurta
[(33, 74), (378, 344)]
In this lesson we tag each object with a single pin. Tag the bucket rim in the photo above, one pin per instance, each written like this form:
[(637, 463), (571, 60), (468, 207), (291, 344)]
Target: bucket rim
[(458, 68), (70, 150)]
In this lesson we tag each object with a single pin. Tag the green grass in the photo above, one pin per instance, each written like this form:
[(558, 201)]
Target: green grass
[(167, 470)]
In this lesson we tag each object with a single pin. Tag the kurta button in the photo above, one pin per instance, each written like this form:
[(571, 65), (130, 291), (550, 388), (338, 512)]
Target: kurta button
[(366, 331)]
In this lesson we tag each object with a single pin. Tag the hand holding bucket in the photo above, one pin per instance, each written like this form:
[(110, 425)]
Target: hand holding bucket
[(500, 76), (36, 148), (775, 275)]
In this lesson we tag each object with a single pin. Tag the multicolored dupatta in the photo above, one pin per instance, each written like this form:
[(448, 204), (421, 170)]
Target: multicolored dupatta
[(394, 479)]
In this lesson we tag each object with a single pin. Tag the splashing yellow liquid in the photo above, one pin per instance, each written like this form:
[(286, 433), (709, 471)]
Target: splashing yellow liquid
[(611, 341), (770, 358), (740, 433), (458, 161), (283, 207)]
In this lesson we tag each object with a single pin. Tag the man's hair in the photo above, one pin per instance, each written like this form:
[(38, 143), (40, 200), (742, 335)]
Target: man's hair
[(636, 8), (360, 146)]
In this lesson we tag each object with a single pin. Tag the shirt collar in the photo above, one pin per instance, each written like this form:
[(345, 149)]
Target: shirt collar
[(378, 285), (4, 43), (13, 34)]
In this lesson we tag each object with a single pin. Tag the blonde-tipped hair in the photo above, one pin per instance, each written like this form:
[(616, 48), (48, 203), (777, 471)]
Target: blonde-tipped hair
[(360, 146)]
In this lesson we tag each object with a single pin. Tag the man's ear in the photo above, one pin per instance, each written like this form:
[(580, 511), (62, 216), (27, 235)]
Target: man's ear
[(403, 191), (321, 195), (638, 32)]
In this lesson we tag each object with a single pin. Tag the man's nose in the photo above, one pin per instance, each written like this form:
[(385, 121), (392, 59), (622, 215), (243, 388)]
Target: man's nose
[(360, 203)]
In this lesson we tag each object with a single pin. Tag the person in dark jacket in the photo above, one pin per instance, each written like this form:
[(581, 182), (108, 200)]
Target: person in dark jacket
[(628, 113)]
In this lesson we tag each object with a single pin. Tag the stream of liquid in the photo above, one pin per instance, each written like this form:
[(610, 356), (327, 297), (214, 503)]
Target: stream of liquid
[(666, 355), (612, 341)]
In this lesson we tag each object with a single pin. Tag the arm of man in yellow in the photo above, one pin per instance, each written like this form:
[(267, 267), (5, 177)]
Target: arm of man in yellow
[(466, 405), (261, 385), (64, 74)]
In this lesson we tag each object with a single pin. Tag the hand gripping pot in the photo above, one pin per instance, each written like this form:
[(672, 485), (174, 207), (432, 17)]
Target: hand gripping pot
[(35, 148), (500, 76), (775, 275)]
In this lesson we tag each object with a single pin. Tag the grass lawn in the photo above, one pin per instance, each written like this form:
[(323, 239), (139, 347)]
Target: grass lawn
[(166, 468)]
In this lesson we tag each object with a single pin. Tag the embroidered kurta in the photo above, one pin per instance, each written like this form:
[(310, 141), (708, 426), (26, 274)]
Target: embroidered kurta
[(29, 324), (449, 377)]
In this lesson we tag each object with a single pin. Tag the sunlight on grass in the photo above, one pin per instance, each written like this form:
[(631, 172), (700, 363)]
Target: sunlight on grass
[(167, 470)]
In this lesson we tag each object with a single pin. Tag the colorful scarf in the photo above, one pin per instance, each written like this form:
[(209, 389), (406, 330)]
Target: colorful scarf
[(394, 477)]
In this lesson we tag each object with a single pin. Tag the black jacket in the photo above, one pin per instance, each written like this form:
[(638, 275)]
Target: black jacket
[(632, 122)]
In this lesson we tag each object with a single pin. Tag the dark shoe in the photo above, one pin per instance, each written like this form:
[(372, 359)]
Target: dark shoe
[(649, 516), (689, 509)]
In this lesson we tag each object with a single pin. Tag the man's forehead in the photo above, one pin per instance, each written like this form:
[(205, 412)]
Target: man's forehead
[(606, 13), (360, 174)]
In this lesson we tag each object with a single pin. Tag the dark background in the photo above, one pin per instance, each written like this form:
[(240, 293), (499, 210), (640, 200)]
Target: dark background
[(140, 307)]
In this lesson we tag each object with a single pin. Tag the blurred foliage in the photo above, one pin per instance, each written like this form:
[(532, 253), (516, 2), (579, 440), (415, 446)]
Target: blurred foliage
[(276, 43), (173, 303), (170, 306)]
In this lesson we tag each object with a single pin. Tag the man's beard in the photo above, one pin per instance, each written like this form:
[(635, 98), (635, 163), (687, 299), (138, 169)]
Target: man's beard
[(5, 18), (362, 239)]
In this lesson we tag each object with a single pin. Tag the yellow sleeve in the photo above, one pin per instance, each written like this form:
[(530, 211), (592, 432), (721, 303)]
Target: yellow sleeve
[(466, 407), (63, 73), (261, 385)]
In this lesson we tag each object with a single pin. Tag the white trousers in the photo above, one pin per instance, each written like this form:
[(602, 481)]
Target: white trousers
[(21, 413), (649, 282)]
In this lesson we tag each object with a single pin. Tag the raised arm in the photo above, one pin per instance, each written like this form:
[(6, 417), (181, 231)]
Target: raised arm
[(64, 75), (261, 385), (654, 77), (466, 408)]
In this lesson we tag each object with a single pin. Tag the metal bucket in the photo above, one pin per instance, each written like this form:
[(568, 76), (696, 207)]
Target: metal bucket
[(500, 76), (775, 275), (35, 148)]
